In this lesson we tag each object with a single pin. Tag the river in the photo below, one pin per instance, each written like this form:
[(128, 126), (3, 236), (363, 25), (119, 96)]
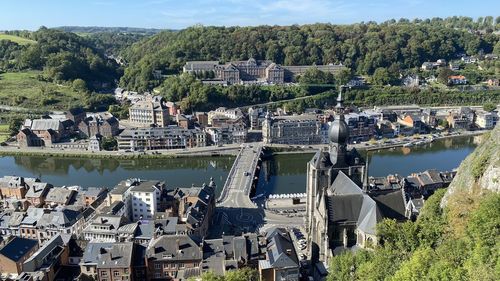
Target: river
[(281, 174), (287, 173)]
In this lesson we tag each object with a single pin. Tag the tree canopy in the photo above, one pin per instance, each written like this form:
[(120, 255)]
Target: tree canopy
[(362, 47)]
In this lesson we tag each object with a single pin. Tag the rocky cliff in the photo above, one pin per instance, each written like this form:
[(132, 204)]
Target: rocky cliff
[(480, 171)]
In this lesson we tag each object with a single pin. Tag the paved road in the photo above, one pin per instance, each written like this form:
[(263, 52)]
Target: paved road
[(239, 183), (236, 213)]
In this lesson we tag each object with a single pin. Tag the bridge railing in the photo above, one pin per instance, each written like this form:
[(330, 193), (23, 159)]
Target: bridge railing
[(225, 188)]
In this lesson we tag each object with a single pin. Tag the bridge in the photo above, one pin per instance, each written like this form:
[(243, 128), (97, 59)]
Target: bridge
[(236, 213), (238, 185)]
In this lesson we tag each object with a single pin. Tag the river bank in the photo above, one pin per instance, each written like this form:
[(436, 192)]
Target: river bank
[(164, 154), (277, 149)]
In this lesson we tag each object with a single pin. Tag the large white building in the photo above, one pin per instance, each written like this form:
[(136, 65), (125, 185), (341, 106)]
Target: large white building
[(140, 198), (145, 197), (486, 120), (149, 111), (298, 129)]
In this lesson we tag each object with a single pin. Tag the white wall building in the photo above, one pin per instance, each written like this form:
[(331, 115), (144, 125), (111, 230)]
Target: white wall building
[(486, 120), (145, 197)]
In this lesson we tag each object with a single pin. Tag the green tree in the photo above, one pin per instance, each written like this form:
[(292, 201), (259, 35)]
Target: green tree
[(14, 125), (489, 106), (80, 85), (381, 77), (109, 144), (344, 76), (443, 75)]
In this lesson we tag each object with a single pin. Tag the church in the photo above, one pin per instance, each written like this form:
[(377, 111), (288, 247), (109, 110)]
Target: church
[(342, 212)]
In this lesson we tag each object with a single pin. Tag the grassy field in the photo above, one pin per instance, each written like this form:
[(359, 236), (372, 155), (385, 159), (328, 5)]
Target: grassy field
[(17, 39), (4, 132), (23, 89)]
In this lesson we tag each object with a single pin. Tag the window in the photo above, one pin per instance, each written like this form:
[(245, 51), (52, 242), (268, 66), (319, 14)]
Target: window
[(157, 275), (116, 273), (157, 266), (104, 273), (181, 265)]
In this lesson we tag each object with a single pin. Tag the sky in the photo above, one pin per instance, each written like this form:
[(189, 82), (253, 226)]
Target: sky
[(178, 14)]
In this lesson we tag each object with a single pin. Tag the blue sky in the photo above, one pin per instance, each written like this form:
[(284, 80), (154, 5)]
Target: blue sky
[(31, 14)]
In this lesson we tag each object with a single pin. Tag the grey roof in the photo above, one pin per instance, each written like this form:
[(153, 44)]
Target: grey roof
[(348, 204), (145, 230), (166, 226), (33, 215), (63, 218), (121, 187), (59, 195), (93, 191), (129, 228), (146, 186), (112, 224), (17, 248), (38, 259), (12, 182), (369, 215), (343, 185), (38, 189), (280, 250), (92, 251), (119, 255), (391, 204), (16, 218), (213, 256), (45, 124), (175, 248)]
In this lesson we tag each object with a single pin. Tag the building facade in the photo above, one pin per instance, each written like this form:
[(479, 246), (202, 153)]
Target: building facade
[(253, 70), (302, 129), (151, 111), (171, 137)]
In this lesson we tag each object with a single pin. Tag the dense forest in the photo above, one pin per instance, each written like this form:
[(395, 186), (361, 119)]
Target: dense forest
[(63, 56), (452, 239), (383, 51), (101, 29), (364, 47)]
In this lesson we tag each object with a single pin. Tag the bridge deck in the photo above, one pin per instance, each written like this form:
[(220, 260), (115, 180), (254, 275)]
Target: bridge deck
[(238, 185)]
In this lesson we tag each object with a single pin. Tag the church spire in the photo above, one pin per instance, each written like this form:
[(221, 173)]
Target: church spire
[(338, 134)]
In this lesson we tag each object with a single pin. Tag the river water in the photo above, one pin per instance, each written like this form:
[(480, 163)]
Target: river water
[(281, 174), (287, 173)]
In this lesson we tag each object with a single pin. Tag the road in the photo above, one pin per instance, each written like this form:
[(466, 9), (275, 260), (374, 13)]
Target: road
[(236, 213), (237, 188)]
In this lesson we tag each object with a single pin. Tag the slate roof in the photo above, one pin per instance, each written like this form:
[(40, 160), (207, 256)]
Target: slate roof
[(175, 248), (92, 251), (93, 191), (59, 195), (166, 226), (343, 185), (280, 250), (119, 255), (38, 189), (146, 186), (17, 248), (38, 258), (33, 215), (348, 204), (12, 182), (62, 218), (391, 204)]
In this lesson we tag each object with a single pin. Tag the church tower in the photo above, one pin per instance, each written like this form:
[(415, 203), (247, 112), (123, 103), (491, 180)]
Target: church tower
[(322, 170)]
